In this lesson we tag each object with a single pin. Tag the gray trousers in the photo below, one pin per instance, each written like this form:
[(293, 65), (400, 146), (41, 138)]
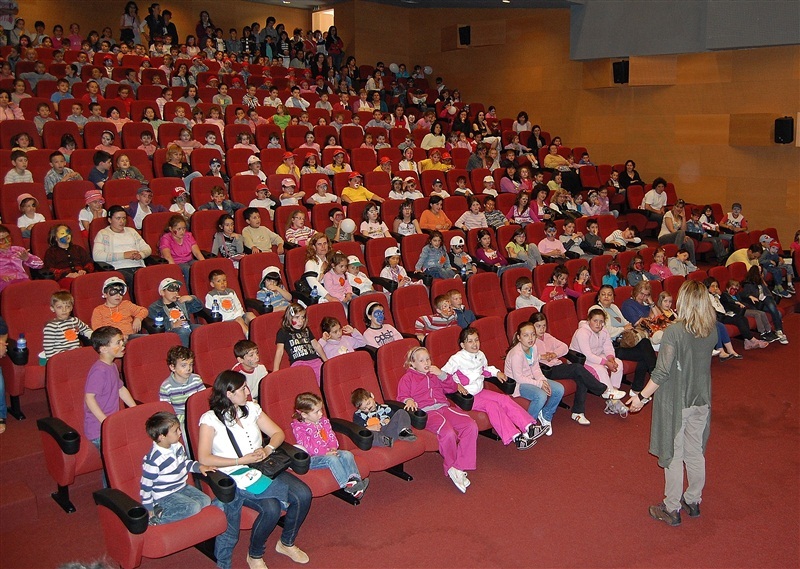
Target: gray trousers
[(688, 451)]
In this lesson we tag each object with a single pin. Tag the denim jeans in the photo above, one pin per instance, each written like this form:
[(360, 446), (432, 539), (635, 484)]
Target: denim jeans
[(287, 492), (182, 504), (3, 406), (96, 443), (440, 273), (539, 399), (342, 465), (184, 333)]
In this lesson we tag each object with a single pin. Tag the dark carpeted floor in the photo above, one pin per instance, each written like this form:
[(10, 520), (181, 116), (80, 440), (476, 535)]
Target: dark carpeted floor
[(578, 499)]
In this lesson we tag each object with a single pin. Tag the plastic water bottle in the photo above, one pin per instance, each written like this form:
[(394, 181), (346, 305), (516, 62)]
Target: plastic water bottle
[(159, 320), (22, 343), (463, 271), (215, 309), (314, 292)]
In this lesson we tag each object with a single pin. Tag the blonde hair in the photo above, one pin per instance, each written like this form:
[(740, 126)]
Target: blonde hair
[(696, 311), (410, 355), (662, 295)]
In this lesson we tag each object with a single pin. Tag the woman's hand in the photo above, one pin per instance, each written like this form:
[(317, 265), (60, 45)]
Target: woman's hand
[(546, 388), (410, 405), (332, 452), (256, 456), (612, 364)]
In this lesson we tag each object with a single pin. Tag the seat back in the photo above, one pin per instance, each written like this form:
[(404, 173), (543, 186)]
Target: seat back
[(408, 304), (483, 294), (672, 284), (358, 309), (508, 284), (317, 312), (212, 345), (145, 365), (343, 374), (391, 359), (125, 442), (68, 198), (374, 251), (444, 286), (264, 331), (277, 393), (442, 344), (561, 319), (153, 226), (26, 309), (250, 268), (517, 317), (493, 339)]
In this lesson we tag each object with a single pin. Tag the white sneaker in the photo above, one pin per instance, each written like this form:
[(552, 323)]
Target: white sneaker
[(580, 418), (466, 480), (781, 337), (545, 423), (612, 393), (456, 476), (715, 352)]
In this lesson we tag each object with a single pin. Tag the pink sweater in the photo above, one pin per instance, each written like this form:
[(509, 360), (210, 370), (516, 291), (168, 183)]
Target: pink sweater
[(596, 347), (336, 285), (317, 439), (660, 271), (551, 344), (523, 370)]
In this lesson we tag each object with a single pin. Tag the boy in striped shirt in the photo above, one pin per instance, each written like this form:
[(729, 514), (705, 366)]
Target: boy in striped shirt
[(181, 383), (165, 470), (61, 333)]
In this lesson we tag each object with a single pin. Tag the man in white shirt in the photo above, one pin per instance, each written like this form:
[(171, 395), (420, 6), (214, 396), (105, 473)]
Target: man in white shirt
[(655, 201)]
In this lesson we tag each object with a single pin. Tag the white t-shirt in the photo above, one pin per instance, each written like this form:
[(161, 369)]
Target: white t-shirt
[(187, 206), (86, 215), (24, 221), (654, 199), (318, 199), (141, 213)]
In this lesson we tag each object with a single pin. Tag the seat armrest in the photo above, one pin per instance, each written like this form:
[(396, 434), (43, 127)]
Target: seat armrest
[(206, 315), (149, 325), (103, 267), (301, 461), (257, 305), (17, 357), (288, 245), (465, 402), (419, 418), (131, 513), (67, 438), (221, 484), (361, 436), (387, 284), (508, 386), (151, 260), (303, 298), (361, 238)]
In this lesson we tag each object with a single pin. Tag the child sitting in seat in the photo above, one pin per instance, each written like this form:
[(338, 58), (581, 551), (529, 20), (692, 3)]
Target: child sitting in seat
[(378, 332), (460, 259), (165, 471), (12, 260), (118, 312), (248, 363), (227, 243), (393, 270), (61, 333), (296, 340), (297, 232), (424, 386), (224, 301), (623, 239), (445, 316), (181, 383), (556, 288), (337, 339), (358, 279), (335, 279), (464, 316), (175, 309), (387, 424), (314, 434), (658, 268), (104, 388), (613, 278), (582, 282), (524, 287), (27, 206), (257, 238), (468, 368), (433, 259), (271, 290)]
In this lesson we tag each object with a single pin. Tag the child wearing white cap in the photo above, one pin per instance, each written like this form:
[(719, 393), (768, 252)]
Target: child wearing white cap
[(175, 309), (272, 292), (358, 279)]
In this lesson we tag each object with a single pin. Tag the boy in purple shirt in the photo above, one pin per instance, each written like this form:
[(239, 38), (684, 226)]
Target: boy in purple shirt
[(104, 388)]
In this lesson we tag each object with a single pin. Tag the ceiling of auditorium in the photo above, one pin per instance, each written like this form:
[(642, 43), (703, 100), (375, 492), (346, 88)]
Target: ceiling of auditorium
[(312, 4)]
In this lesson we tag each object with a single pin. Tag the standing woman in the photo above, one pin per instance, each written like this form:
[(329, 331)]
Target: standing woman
[(233, 417), (130, 25), (155, 23), (335, 47), (205, 28), (682, 410)]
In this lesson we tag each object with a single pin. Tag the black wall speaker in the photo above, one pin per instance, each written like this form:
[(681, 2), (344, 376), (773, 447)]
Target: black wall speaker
[(621, 69), (464, 35), (784, 130)]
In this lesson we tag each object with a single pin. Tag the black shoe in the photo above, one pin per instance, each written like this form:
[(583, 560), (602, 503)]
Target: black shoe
[(692, 509), (660, 513), (536, 431), (407, 435), (524, 443), (770, 337), (387, 441)]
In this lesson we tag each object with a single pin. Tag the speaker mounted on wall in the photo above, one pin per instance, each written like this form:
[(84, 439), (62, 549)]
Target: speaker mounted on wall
[(464, 36), (621, 71), (784, 130)]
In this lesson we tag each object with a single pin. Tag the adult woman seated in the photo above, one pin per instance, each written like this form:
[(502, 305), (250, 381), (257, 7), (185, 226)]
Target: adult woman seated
[(120, 246), (65, 259), (434, 218), (673, 230), (9, 110), (478, 158), (177, 167), (630, 176), (638, 307), (509, 183), (570, 178), (482, 126), (317, 263), (642, 353), (178, 245), (462, 123), (435, 138), (233, 417)]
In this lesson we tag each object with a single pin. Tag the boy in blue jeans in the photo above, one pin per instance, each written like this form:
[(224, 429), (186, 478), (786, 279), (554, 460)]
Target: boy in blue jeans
[(165, 470), (104, 388)]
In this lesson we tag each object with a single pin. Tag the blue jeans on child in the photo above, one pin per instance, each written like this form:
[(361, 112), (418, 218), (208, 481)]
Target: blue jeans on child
[(182, 504), (440, 273), (96, 443), (539, 399), (342, 465), (285, 492), (3, 407)]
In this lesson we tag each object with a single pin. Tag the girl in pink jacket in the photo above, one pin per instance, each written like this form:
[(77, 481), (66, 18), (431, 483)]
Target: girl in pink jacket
[(424, 387), (592, 340), (314, 434)]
